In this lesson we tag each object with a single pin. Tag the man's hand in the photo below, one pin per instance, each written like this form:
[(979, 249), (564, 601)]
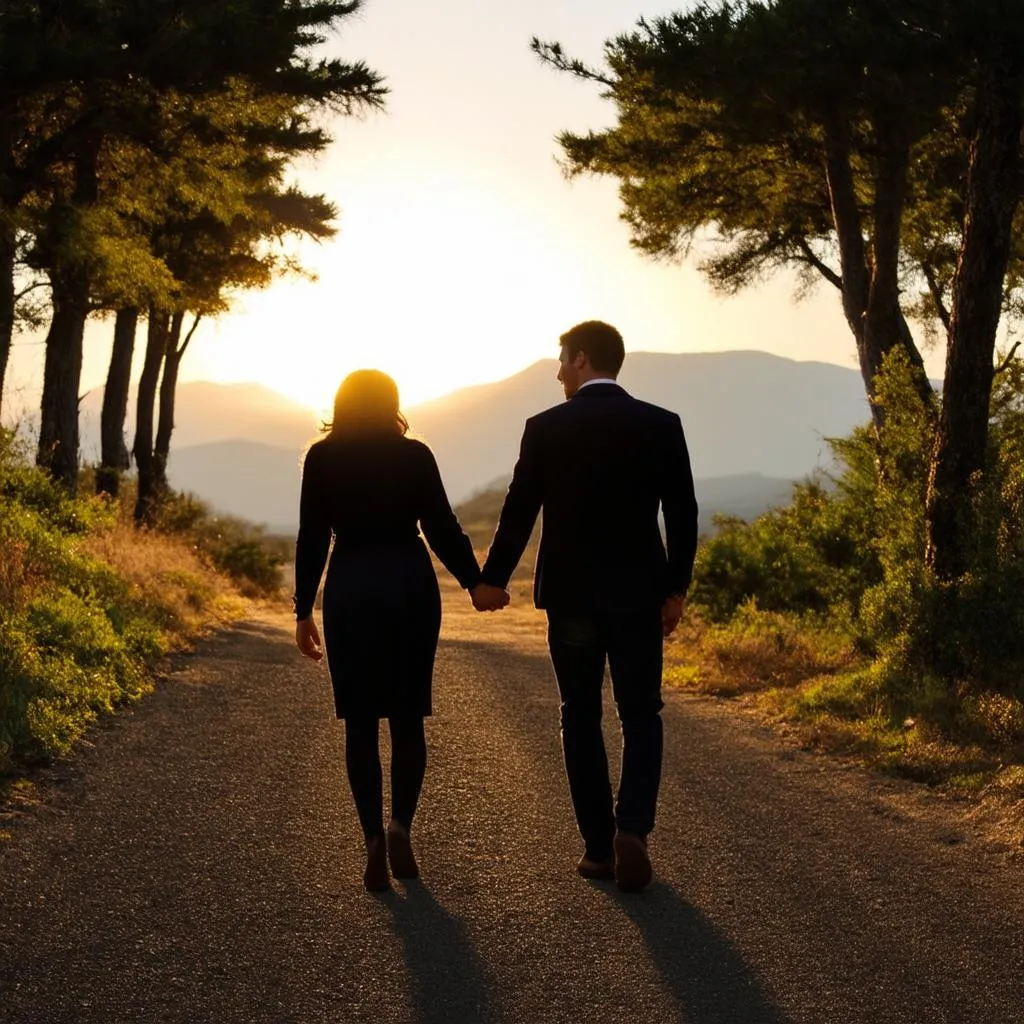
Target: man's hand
[(488, 598), (671, 613), (307, 639)]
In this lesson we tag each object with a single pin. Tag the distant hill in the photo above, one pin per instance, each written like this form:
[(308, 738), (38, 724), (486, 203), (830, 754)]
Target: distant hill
[(207, 413), (241, 478), (743, 412), (261, 482), (745, 497), (754, 422)]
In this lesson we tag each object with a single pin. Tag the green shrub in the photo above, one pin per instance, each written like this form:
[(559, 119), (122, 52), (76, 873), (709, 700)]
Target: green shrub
[(762, 561), (250, 561), (73, 642), (63, 663), (240, 549), (815, 555), (854, 554), (182, 513), (22, 485)]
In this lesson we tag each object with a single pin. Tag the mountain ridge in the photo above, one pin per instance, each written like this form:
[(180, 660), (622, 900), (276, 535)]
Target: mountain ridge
[(749, 416)]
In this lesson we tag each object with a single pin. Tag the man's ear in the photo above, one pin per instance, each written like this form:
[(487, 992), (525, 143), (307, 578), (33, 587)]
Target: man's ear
[(582, 361)]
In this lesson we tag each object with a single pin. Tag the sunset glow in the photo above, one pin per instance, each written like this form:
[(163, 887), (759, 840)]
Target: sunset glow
[(435, 287)]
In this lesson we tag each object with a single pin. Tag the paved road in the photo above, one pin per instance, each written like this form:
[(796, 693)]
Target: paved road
[(200, 862)]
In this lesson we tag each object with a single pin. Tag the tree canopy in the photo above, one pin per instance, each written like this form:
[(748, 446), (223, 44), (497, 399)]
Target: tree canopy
[(827, 137), (144, 158), (871, 144)]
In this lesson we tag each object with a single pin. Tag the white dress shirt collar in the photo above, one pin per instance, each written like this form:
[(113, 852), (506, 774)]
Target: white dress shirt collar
[(598, 380)]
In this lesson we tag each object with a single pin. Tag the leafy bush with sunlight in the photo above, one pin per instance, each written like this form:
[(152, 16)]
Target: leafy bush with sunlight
[(86, 605), (851, 556), (233, 546)]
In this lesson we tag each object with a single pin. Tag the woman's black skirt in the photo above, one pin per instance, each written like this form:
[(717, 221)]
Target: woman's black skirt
[(382, 618)]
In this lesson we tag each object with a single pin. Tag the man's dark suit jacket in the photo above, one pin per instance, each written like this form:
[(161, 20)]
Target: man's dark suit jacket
[(600, 465)]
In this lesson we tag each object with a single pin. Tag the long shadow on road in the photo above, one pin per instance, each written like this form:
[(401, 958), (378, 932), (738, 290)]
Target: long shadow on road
[(707, 975), (447, 980)]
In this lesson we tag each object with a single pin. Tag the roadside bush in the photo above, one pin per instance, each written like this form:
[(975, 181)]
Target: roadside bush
[(21, 484), (854, 555), (86, 605), (811, 556), (969, 633), (63, 658), (233, 546)]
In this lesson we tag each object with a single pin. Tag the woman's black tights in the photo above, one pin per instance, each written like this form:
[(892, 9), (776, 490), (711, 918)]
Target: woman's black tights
[(408, 765)]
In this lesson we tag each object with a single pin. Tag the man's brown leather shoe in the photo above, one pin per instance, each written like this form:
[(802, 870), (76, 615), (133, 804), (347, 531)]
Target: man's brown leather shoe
[(632, 865), (602, 870)]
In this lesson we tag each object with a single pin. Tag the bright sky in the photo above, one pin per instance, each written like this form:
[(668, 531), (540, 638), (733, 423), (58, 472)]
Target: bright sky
[(463, 252)]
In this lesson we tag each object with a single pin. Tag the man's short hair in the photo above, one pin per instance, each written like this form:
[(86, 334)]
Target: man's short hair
[(600, 342)]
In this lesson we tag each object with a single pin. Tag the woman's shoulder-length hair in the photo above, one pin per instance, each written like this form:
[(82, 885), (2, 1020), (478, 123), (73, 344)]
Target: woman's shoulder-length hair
[(367, 404)]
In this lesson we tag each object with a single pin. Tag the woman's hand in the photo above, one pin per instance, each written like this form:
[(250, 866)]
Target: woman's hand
[(307, 639), (487, 598)]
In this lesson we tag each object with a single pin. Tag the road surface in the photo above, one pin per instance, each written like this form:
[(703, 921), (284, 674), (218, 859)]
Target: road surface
[(199, 860)]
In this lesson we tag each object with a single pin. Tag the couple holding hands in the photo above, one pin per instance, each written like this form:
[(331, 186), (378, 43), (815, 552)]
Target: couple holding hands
[(600, 465)]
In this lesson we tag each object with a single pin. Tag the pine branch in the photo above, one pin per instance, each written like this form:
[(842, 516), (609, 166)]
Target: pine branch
[(188, 337), (812, 259), (18, 296), (936, 293), (554, 55)]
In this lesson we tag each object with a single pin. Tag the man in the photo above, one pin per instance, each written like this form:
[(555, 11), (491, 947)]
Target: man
[(599, 466)]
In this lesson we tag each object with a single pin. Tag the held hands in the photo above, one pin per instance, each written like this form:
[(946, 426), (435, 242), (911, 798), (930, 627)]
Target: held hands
[(307, 639), (671, 613), (488, 598)]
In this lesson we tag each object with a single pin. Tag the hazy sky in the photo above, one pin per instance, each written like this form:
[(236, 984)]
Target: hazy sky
[(463, 252)]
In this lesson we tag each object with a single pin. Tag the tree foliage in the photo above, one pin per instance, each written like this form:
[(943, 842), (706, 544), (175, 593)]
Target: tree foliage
[(825, 137), (145, 152)]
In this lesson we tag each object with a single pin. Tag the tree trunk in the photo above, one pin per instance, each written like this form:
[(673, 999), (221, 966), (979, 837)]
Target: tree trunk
[(62, 375), (8, 203), (168, 386), (114, 458), (993, 194), (156, 346), (7, 250), (70, 289), (849, 231), (870, 288), (885, 327)]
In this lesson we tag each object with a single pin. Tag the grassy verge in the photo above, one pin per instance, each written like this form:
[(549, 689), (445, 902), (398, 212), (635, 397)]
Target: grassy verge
[(89, 605), (806, 675)]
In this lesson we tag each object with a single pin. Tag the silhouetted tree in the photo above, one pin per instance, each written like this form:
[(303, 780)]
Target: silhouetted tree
[(785, 131), (101, 69), (238, 257), (223, 238), (114, 457), (873, 144)]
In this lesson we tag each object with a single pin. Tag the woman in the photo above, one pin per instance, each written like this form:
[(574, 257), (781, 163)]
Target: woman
[(369, 485)]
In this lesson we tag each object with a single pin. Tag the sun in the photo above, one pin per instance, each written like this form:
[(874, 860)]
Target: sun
[(440, 290)]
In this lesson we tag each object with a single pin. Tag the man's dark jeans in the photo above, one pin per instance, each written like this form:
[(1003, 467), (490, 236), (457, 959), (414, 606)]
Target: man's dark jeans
[(632, 643)]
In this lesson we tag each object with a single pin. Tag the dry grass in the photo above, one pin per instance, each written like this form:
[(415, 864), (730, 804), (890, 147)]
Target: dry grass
[(168, 576), (18, 576), (757, 653), (811, 684)]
